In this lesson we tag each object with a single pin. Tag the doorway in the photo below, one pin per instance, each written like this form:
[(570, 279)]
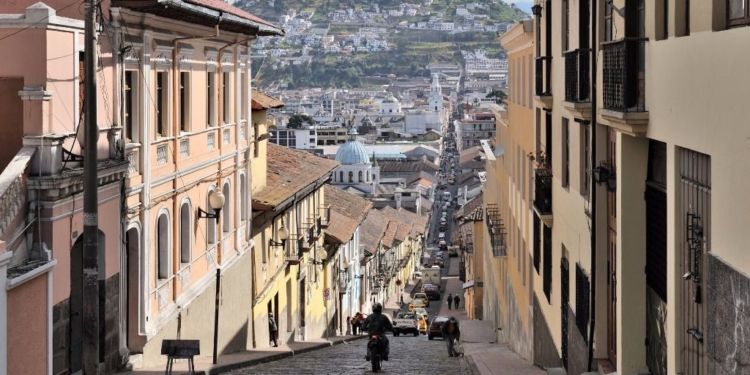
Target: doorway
[(302, 304), (612, 253), (564, 301), (132, 284)]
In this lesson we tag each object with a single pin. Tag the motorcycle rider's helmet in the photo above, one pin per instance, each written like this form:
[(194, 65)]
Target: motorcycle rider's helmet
[(378, 308)]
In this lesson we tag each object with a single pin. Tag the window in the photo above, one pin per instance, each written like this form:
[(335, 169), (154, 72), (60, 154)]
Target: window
[(537, 242), (226, 212), (225, 100), (243, 95), (130, 106), (547, 263), (162, 113), (565, 153), (351, 177), (210, 223), (583, 290), (341, 176), (184, 101), (360, 176), (162, 246), (607, 22), (243, 198), (585, 159), (738, 12), (185, 242), (211, 100)]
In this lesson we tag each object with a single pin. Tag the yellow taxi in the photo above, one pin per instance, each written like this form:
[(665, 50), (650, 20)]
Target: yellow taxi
[(423, 296), (422, 324), (416, 303)]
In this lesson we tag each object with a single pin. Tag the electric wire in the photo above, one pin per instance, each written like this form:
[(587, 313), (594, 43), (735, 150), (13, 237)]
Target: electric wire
[(32, 26)]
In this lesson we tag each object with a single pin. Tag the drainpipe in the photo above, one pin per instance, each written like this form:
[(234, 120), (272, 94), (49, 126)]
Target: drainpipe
[(593, 95)]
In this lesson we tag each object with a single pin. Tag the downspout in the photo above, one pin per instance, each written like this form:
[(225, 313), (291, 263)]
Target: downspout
[(593, 95)]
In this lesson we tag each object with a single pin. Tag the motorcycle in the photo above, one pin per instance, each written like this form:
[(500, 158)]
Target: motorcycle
[(376, 352)]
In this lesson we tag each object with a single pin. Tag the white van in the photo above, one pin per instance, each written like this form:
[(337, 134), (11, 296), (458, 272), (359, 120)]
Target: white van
[(447, 196), (441, 236)]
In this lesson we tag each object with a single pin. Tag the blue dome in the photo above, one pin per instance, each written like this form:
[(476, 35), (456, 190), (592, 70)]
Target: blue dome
[(352, 152)]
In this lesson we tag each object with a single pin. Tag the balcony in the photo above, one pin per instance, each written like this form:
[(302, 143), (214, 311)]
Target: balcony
[(577, 81), (624, 81), (543, 82), (307, 238), (325, 215), (293, 254), (543, 195), (496, 230), (469, 244)]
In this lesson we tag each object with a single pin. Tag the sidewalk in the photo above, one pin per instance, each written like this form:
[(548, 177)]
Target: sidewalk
[(392, 305), (233, 361), (482, 354)]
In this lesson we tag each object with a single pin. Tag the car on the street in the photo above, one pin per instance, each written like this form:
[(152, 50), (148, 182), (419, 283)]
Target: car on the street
[(439, 262), (435, 327), (433, 293), (405, 323), (422, 323), (422, 296), (422, 311), (443, 221), (426, 285), (417, 303)]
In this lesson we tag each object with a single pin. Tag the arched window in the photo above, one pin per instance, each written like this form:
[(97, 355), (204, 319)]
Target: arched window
[(360, 176), (185, 240), (341, 176), (351, 177), (162, 246), (368, 176), (226, 212), (210, 223)]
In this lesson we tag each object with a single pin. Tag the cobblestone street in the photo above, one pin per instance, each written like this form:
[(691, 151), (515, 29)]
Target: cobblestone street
[(409, 355)]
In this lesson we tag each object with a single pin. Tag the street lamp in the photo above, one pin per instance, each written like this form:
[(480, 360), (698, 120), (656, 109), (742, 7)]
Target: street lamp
[(216, 200), (536, 10), (283, 234)]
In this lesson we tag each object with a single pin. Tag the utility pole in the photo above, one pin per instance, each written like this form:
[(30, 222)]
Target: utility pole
[(90, 203)]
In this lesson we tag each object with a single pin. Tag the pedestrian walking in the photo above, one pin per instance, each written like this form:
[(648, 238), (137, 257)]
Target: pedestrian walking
[(355, 324), (348, 325), (450, 300), (452, 334), (456, 300), (273, 330), (402, 300)]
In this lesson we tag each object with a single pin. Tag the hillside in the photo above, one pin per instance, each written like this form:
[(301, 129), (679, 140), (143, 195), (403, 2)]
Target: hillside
[(410, 47)]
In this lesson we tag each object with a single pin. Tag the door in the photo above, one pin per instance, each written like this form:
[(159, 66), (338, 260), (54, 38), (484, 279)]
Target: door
[(564, 300), (635, 27), (302, 304), (75, 353), (612, 254), (695, 207)]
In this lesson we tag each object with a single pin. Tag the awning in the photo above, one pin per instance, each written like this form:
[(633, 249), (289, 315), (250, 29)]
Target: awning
[(469, 284)]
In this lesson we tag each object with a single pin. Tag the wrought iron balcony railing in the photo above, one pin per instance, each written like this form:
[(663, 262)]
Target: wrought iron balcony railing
[(577, 79), (624, 77), (469, 245), (543, 191), (496, 230), (543, 75), (292, 253)]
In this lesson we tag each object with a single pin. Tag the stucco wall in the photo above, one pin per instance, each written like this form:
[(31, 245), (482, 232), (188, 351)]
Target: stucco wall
[(27, 327), (196, 320), (546, 353)]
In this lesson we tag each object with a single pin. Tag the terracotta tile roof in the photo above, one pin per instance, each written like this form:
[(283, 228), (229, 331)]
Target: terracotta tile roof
[(469, 154), (421, 175), (347, 213), (225, 7), (289, 171), (418, 222), (408, 166), (373, 229), (262, 101), (473, 209), (389, 236), (403, 228)]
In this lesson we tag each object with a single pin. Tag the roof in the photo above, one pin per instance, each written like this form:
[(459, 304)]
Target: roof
[(209, 13), (347, 213), (408, 166), (421, 175), (289, 171), (473, 209), (262, 101), (403, 228), (470, 154), (352, 152), (373, 228), (419, 222)]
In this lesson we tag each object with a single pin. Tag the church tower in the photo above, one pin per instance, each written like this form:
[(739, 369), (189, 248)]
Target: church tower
[(436, 95)]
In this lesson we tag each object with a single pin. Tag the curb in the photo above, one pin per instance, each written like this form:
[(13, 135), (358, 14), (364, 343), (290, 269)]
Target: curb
[(220, 369), (471, 365)]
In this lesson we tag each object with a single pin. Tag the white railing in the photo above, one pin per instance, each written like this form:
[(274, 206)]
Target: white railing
[(133, 164), (13, 188), (185, 147), (211, 141), (161, 154), (225, 136)]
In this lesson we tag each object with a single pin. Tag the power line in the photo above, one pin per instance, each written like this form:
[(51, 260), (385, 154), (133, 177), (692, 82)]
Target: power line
[(38, 22)]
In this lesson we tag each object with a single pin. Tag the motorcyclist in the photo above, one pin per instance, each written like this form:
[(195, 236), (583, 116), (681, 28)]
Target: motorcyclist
[(378, 324)]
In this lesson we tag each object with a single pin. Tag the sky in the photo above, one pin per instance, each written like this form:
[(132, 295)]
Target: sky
[(522, 4)]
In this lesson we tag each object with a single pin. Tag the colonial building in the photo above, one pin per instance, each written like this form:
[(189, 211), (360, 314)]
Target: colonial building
[(184, 84), (356, 170), (290, 274), (630, 256)]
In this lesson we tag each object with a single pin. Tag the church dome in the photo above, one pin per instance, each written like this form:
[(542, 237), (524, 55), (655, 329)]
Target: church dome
[(352, 152)]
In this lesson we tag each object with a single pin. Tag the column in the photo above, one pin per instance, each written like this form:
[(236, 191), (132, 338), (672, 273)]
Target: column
[(632, 155)]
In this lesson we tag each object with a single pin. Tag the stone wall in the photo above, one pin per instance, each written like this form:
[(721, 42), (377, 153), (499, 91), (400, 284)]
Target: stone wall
[(546, 353), (656, 333), (727, 336), (578, 350), (60, 336), (521, 340)]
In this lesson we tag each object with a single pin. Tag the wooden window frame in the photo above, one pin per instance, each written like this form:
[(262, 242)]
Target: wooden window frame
[(742, 21), (565, 178), (162, 103), (608, 26), (184, 101), (130, 108), (211, 99)]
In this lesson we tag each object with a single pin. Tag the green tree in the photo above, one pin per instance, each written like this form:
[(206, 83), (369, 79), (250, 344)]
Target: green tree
[(499, 96), (298, 121)]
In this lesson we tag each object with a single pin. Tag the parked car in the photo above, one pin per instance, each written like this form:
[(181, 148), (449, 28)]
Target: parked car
[(433, 293), (435, 327)]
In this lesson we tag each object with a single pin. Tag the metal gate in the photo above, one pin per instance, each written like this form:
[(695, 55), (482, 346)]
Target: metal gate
[(695, 207), (564, 300)]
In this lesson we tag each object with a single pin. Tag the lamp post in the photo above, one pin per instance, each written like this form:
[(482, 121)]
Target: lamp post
[(216, 200), (536, 10)]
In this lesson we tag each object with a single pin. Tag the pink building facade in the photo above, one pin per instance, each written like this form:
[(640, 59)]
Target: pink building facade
[(173, 114)]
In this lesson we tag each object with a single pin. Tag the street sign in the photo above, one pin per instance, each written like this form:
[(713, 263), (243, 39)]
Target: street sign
[(326, 293)]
